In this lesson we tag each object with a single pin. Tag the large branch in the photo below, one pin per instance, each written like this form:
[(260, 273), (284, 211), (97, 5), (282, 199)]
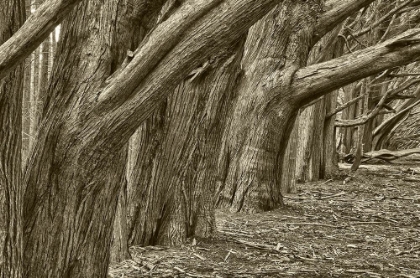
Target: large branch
[(338, 12), (203, 39), (316, 80), (35, 30), (160, 42), (134, 92)]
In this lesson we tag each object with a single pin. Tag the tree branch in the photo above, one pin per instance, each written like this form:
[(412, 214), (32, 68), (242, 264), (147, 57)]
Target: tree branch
[(383, 18), (161, 41), (33, 33), (318, 79), (339, 11), (365, 118), (344, 106), (395, 93), (114, 118), (399, 113)]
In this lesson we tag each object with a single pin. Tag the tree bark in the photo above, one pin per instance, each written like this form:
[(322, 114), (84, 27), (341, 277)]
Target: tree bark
[(12, 16), (72, 190), (317, 157), (35, 30), (258, 134), (74, 223), (178, 202)]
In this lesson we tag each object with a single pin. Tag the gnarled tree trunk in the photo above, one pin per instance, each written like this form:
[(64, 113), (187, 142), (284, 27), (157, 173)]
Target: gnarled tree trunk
[(261, 123), (82, 215)]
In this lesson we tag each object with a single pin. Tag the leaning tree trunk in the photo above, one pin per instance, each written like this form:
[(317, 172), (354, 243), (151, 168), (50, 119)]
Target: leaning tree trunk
[(258, 133), (277, 48), (85, 58), (177, 201), (12, 16), (131, 31), (72, 181)]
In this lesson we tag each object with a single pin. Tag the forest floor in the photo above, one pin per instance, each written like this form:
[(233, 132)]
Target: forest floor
[(367, 227)]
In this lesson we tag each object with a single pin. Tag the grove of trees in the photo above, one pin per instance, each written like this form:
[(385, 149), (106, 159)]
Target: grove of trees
[(128, 122)]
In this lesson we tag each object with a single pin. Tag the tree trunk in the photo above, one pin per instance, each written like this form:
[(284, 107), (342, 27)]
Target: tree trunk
[(144, 146), (131, 31), (82, 218), (287, 173), (329, 163), (348, 134), (12, 16), (258, 134), (178, 200), (316, 139), (72, 180)]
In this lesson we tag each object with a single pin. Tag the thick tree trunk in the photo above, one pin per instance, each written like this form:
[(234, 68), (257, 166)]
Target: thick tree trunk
[(270, 93), (131, 31), (72, 180), (12, 16), (144, 146), (258, 134), (177, 201), (81, 215)]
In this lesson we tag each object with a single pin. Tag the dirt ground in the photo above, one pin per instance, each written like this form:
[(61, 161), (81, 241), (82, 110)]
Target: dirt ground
[(367, 227)]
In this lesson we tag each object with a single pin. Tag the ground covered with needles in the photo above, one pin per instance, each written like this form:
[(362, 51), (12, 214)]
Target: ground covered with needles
[(368, 226)]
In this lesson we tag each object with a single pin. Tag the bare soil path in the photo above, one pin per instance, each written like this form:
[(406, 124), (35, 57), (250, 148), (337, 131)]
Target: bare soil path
[(367, 227)]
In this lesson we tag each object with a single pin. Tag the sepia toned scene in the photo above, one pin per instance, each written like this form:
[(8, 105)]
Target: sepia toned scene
[(209, 138)]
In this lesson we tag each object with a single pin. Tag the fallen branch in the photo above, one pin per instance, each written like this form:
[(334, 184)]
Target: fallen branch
[(332, 196), (383, 154), (314, 224)]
